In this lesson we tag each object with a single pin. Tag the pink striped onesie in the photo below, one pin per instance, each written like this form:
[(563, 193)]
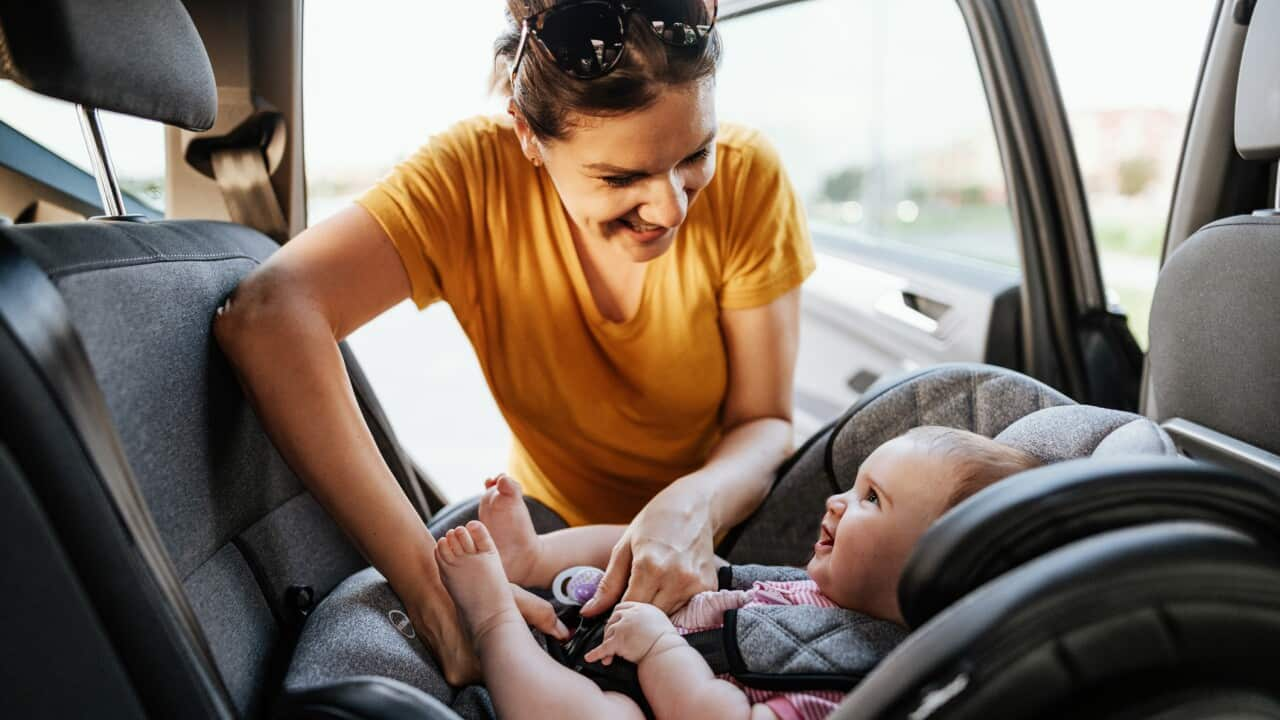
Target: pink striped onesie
[(706, 611)]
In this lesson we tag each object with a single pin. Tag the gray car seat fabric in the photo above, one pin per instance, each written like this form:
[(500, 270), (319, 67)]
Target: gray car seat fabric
[(775, 641), (361, 629), (1213, 362), (247, 541), (988, 400)]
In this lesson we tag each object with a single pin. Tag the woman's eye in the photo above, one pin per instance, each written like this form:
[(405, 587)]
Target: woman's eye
[(619, 180), (700, 155)]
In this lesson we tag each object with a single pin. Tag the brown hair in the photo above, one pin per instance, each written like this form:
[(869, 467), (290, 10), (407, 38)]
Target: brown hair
[(979, 461), (545, 95)]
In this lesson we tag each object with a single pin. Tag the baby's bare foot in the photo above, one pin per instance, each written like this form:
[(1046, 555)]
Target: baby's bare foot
[(503, 512), (472, 572)]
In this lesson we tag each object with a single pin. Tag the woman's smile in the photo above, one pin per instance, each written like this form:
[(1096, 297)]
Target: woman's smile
[(642, 232)]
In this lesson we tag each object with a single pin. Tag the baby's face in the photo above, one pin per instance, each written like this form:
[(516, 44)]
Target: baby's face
[(868, 532)]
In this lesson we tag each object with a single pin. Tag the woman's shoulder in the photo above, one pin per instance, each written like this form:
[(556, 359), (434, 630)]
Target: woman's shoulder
[(479, 134), (740, 146)]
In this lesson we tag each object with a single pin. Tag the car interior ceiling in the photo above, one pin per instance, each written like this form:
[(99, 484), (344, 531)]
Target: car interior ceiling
[(168, 563)]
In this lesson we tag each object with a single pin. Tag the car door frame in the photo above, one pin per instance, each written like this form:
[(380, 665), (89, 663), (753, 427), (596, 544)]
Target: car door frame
[(1073, 339)]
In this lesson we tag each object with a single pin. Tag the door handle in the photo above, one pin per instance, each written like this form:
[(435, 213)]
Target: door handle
[(912, 309)]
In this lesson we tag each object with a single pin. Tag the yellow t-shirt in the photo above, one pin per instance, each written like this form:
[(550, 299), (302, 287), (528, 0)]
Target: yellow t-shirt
[(604, 414)]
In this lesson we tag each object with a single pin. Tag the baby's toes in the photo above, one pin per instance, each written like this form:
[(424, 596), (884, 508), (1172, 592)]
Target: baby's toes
[(480, 536), (508, 486), (466, 546)]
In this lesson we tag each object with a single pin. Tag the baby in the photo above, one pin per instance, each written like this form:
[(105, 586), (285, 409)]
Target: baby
[(866, 536)]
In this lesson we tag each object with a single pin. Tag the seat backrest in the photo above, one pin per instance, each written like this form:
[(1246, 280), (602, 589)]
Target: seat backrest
[(1215, 323), (246, 540)]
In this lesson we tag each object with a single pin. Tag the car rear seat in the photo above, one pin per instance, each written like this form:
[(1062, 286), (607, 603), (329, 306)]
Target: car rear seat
[(191, 540)]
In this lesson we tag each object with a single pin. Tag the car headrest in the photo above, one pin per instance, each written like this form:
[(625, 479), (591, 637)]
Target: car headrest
[(1257, 125), (138, 57), (1075, 431), (1213, 350)]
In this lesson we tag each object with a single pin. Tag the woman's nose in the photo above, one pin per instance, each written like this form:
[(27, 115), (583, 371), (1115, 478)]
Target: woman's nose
[(668, 202)]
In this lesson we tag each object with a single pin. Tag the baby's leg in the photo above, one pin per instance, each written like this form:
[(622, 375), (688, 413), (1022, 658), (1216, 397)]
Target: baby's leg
[(524, 681), (531, 559)]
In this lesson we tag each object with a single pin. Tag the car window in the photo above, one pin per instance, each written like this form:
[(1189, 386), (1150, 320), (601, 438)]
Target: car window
[(136, 145), (1127, 73), (878, 110), (376, 85)]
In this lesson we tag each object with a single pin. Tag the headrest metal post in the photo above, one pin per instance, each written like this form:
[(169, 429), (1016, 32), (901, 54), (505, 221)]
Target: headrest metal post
[(1276, 179), (103, 170)]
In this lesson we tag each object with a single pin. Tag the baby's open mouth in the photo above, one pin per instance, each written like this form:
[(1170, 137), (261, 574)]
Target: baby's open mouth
[(826, 537)]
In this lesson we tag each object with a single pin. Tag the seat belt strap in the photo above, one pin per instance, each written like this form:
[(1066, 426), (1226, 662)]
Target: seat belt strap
[(241, 174), (241, 162)]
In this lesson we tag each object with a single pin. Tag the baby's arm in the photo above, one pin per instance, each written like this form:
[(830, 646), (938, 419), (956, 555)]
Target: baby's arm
[(560, 549), (676, 681)]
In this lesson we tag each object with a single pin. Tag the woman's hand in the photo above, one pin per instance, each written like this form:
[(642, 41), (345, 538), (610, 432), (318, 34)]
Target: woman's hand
[(665, 556), (539, 613)]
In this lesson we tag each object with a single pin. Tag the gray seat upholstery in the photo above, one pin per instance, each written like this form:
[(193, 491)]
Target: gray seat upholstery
[(239, 528), (985, 399), (359, 629)]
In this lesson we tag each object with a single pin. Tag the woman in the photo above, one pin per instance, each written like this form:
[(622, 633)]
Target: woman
[(635, 319)]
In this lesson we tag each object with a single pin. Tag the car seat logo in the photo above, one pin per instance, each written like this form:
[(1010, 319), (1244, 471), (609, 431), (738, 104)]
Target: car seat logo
[(401, 623)]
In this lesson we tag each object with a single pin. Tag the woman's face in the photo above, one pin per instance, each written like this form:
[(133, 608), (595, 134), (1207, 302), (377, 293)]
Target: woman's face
[(629, 180)]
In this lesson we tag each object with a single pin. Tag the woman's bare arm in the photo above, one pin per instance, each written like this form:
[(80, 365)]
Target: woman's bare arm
[(280, 330)]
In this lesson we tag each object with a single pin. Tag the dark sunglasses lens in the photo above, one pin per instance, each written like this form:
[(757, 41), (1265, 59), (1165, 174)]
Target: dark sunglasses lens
[(586, 38), (679, 22)]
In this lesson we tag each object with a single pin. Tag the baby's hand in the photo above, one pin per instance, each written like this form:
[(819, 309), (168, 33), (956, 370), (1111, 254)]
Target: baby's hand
[(632, 631)]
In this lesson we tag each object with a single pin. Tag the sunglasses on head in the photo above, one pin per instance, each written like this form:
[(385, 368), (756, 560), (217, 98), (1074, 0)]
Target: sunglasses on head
[(585, 37)]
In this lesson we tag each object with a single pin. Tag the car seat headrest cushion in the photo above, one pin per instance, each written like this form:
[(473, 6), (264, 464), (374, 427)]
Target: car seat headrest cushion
[(1257, 120), (138, 57)]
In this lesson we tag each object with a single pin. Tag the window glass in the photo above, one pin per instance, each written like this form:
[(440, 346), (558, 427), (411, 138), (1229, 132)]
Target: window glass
[(880, 117), (136, 145), (1127, 86), (377, 83)]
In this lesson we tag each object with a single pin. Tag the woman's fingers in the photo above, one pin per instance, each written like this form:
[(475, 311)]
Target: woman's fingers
[(644, 585), (539, 613), (614, 580)]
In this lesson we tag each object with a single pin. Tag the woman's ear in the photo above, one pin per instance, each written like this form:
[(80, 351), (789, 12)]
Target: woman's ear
[(529, 144)]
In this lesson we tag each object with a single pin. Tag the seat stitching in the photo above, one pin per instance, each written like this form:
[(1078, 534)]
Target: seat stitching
[(800, 644), (231, 537), (91, 265)]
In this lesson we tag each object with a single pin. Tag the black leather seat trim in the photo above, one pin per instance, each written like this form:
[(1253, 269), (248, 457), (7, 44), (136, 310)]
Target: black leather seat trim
[(1011, 523), (363, 698)]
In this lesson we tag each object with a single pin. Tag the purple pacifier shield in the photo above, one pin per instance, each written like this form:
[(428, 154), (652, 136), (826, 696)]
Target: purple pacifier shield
[(583, 584)]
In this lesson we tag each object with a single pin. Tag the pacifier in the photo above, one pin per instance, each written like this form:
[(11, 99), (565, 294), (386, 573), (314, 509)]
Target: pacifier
[(576, 585)]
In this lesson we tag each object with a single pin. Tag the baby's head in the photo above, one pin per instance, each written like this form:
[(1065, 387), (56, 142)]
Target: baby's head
[(902, 487)]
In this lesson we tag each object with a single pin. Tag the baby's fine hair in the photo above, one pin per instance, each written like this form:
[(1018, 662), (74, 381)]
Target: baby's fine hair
[(978, 461)]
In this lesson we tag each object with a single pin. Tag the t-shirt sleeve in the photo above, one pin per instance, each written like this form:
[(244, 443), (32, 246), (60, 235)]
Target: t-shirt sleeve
[(768, 251), (427, 205)]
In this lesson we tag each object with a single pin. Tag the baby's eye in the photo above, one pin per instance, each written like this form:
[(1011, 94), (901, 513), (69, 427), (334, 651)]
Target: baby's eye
[(872, 497)]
